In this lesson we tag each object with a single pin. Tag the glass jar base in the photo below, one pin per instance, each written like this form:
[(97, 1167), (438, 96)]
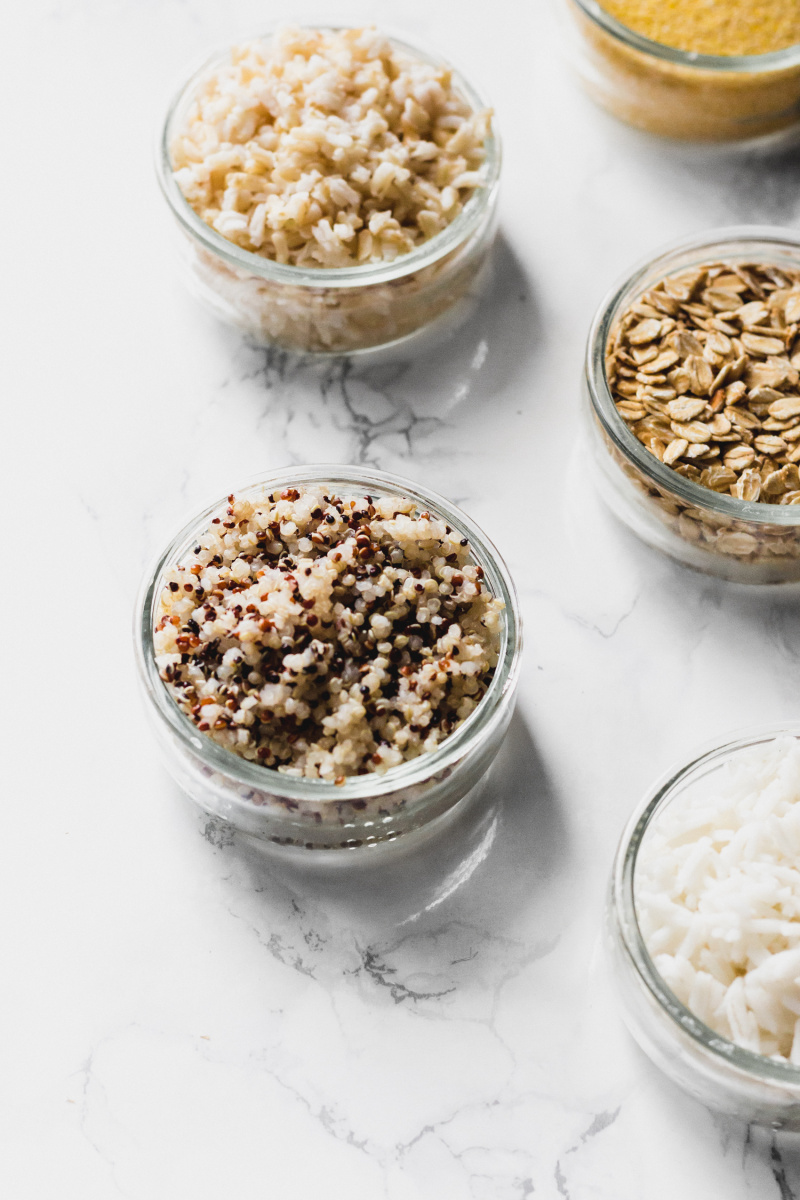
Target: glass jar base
[(387, 845), (780, 575), (320, 327)]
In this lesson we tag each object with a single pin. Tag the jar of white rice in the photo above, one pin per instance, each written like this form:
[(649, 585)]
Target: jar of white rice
[(704, 926)]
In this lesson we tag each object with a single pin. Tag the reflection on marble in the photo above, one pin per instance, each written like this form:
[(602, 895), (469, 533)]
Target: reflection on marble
[(185, 1016)]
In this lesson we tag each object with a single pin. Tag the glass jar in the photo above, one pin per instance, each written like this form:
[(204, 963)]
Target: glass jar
[(341, 310), (715, 1071), (366, 809), (718, 534), (679, 93)]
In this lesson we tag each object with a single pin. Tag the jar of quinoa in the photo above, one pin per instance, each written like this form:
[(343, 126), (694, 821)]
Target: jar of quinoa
[(334, 191), (724, 72), (329, 657)]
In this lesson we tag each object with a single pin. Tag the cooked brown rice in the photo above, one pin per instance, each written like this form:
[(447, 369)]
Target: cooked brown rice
[(324, 148)]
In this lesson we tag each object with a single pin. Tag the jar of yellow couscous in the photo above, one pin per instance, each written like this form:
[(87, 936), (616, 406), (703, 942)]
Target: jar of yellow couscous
[(725, 72)]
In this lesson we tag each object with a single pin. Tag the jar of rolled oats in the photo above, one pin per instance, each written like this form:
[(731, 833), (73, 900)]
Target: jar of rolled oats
[(678, 92), (692, 384), (334, 190)]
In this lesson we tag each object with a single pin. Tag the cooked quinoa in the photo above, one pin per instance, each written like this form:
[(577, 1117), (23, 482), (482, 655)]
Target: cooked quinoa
[(326, 148), (324, 636)]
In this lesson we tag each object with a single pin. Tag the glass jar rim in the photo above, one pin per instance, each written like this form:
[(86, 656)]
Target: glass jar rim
[(623, 907), (773, 60), (425, 254), (249, 775), (626, 289)]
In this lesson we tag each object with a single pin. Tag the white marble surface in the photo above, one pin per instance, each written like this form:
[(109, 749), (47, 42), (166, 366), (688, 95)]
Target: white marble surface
[(180, 1019)]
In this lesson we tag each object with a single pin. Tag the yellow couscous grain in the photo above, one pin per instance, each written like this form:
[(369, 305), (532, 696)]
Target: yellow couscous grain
[(718, 27)]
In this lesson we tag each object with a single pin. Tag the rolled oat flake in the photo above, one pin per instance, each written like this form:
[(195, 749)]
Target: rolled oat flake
[(704, 369)]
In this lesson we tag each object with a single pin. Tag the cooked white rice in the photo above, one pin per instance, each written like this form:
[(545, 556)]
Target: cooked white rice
[(717, 891)]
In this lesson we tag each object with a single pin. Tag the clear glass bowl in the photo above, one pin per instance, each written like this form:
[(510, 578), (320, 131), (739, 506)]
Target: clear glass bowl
[(717, 534), (680, 94), (715, 1071), (343, 310), (366, 809)]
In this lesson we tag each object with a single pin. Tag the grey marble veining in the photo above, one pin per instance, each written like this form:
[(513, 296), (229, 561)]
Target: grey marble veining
[(185, 1016)]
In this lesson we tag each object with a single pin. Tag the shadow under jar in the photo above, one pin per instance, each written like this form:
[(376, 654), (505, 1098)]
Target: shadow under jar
[(362, 810), (719, 534), (337, 310), (720, 1074), (681, 94)]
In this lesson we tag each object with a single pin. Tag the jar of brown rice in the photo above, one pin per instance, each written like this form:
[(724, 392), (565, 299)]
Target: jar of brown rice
[(311, 308)]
